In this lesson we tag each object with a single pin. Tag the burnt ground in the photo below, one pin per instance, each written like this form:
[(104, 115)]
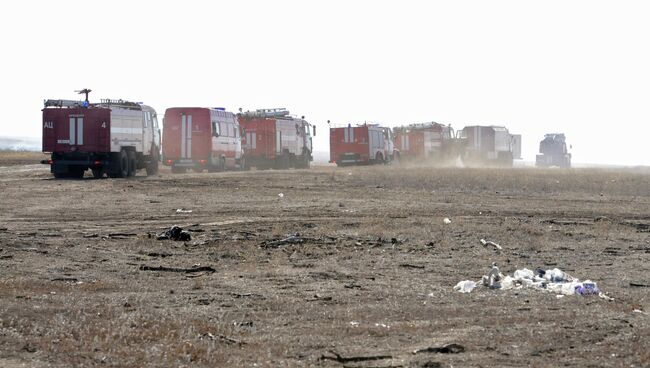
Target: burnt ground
[(364, 276)]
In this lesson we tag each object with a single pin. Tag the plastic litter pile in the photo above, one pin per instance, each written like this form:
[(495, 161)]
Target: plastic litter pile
[(554, 281)]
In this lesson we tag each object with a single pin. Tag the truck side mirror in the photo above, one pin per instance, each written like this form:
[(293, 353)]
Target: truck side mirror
[(314, 126)]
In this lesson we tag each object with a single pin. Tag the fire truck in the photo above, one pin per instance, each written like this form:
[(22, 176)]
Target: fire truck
[(200, 139), (426, 141), (553, 151), (490, 145), (113, 137), (364, 144), (272, 138)]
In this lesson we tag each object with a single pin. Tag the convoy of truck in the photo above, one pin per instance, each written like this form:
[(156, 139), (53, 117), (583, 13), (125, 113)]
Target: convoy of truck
[(272, 138), (431, 142), (201, 139), (553, 151), (364, 144), (491, 145), (115, 138)]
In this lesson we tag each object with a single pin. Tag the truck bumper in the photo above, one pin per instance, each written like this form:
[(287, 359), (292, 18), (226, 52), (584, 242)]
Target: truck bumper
[(61, 163)]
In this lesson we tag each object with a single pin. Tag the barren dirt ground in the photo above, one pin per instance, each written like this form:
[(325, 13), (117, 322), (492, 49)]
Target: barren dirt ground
[(366, 279)]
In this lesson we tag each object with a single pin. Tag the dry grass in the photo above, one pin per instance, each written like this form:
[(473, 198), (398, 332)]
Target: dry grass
[(13, 157), (374, 274)]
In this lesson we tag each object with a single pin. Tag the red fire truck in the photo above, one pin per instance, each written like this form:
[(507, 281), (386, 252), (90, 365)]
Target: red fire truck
[(427, 141), (201, 138), (113, 137), (364, 144), (272, 138)]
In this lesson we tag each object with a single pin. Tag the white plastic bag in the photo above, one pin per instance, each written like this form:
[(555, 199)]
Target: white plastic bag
[(555, 275), (507, 283), (524, 273), (465, 286)]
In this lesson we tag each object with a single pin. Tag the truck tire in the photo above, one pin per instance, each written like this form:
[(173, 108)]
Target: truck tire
[(303, 161), (283, 162), (98, 172), (379, 158), (132, 163), (76, 172), (396, 159), (152, 166), (122, 165)]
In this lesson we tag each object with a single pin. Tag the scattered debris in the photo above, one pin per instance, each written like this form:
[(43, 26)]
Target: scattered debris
[(182, 210), (175, 233), (447, 349), (606, 297), (319, 298), (638, 284), (493, 278), (488, 242), (465, 286), (566, 222), (65, 279), (340, 359), (159, 254), (446, 220), (248, 295), (177, 269), (118, 235), (408, 265), (226, 339), (555, 281), (35, 250), (281, 195), (430, 364), (291, 239)]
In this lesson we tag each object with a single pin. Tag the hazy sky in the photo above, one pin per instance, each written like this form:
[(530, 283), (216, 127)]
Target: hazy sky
[(578, 67)]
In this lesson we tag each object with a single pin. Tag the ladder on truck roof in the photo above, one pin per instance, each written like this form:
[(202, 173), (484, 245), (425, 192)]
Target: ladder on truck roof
[(63, 103), (107, 102), (104, 103), (267, 113)]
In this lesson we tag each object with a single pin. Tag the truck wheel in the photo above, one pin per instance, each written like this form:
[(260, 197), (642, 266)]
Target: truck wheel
[(152, 166), (304, 162), (396, 159), (132, 163), (218, 166), (178, 170), (98, 173), (124, 165), (282, 163), (379, 158), (77, 172)]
